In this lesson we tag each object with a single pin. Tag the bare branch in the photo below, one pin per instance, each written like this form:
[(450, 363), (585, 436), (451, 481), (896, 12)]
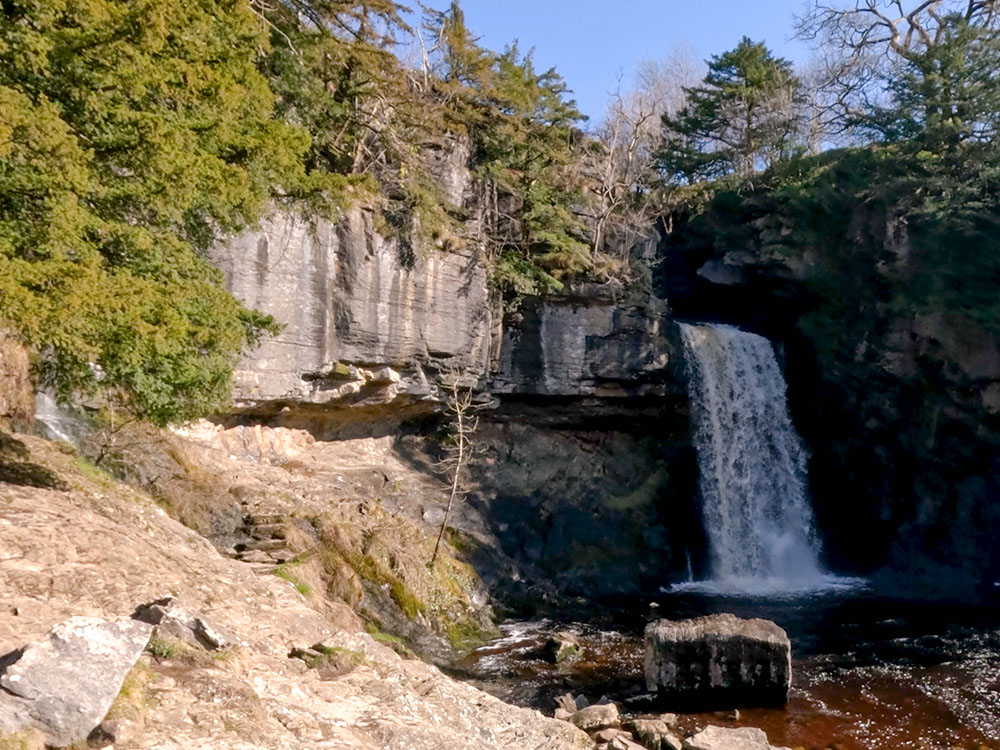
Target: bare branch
[(861, 46), (260, 9), (464, 424)]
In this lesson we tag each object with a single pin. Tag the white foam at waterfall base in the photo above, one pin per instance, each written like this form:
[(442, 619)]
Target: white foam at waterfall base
[(752, 470), (769, 588)]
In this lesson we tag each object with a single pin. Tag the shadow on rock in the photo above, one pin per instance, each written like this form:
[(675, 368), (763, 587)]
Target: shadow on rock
[(15, 469)]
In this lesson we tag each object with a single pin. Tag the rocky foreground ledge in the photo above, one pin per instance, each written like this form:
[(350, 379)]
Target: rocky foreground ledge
[(99, 550)]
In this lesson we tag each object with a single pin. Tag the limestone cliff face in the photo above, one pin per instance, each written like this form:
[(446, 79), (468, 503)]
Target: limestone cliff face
[(363, 321), (586, 343), (352, 303)]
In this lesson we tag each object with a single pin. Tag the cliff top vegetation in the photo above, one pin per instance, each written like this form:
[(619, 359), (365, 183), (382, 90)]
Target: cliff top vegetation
[(134, 135)]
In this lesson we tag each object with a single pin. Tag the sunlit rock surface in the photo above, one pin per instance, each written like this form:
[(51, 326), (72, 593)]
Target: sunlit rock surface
[(588, 343), (722, 738), (16, 398), (65, 683), (102, 548), (351, 301)]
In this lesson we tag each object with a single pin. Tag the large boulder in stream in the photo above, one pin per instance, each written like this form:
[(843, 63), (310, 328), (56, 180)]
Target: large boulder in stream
[(719, 661)]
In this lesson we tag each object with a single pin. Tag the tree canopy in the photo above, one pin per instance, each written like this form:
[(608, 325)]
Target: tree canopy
[(134, 135), (944, 95), (131, 136), (869, 52), (522, 128), (744, 117)]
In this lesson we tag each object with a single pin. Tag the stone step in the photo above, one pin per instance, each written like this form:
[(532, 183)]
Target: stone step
[(282, 555), (256, 556), (262, 519), (263, 568), (267, 531), (265, 545)]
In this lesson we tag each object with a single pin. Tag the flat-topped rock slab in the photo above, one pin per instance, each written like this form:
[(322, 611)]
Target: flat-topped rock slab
[(65, 684), (722, 738), (719, 661)]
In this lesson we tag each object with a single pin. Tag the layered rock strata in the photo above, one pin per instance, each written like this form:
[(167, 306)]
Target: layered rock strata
[(365, 321)]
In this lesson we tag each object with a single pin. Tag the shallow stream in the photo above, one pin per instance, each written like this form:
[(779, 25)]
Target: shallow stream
[(869, 672)]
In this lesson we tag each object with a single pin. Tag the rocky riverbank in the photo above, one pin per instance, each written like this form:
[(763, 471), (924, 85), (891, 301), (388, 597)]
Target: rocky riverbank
[(240, 652), (100, 549)]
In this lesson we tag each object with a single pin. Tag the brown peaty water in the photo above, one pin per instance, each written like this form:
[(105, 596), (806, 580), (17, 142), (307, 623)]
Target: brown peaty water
[(921, 680)]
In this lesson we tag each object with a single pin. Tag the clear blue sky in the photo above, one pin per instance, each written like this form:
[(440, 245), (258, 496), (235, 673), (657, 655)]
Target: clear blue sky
[(591, 41)]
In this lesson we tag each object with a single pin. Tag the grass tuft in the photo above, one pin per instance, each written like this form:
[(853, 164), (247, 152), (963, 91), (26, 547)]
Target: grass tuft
[(165, 649), (283, 571), (394, 642), (133, 701)]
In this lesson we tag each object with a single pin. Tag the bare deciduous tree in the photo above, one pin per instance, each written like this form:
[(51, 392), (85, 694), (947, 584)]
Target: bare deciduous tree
[(459, 451), (862, 45), (629, 135)]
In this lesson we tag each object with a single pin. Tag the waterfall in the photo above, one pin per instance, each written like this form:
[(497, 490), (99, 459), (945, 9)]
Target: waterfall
[(56, 423), (752, 465)]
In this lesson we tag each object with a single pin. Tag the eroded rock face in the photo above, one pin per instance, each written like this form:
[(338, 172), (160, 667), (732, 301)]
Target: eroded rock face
[(597, 510), (67, 682), (353, 303), (372, 331), (586, 343), (17, 403), (719, 661)]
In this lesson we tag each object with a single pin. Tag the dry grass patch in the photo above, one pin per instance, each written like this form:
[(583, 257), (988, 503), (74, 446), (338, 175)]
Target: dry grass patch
[(165, 466), (392, 553), (133, 701), (29, 739)]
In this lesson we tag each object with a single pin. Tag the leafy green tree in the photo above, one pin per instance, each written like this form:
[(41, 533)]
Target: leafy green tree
[(464, 65), (372, 119), (537, 105), (744, 117), (133, 134), (333, 71), (522, 128), (525, 152)]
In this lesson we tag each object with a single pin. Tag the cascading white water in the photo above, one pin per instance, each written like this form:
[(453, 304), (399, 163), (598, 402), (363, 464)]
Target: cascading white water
[(752, 465), (57, 423)]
